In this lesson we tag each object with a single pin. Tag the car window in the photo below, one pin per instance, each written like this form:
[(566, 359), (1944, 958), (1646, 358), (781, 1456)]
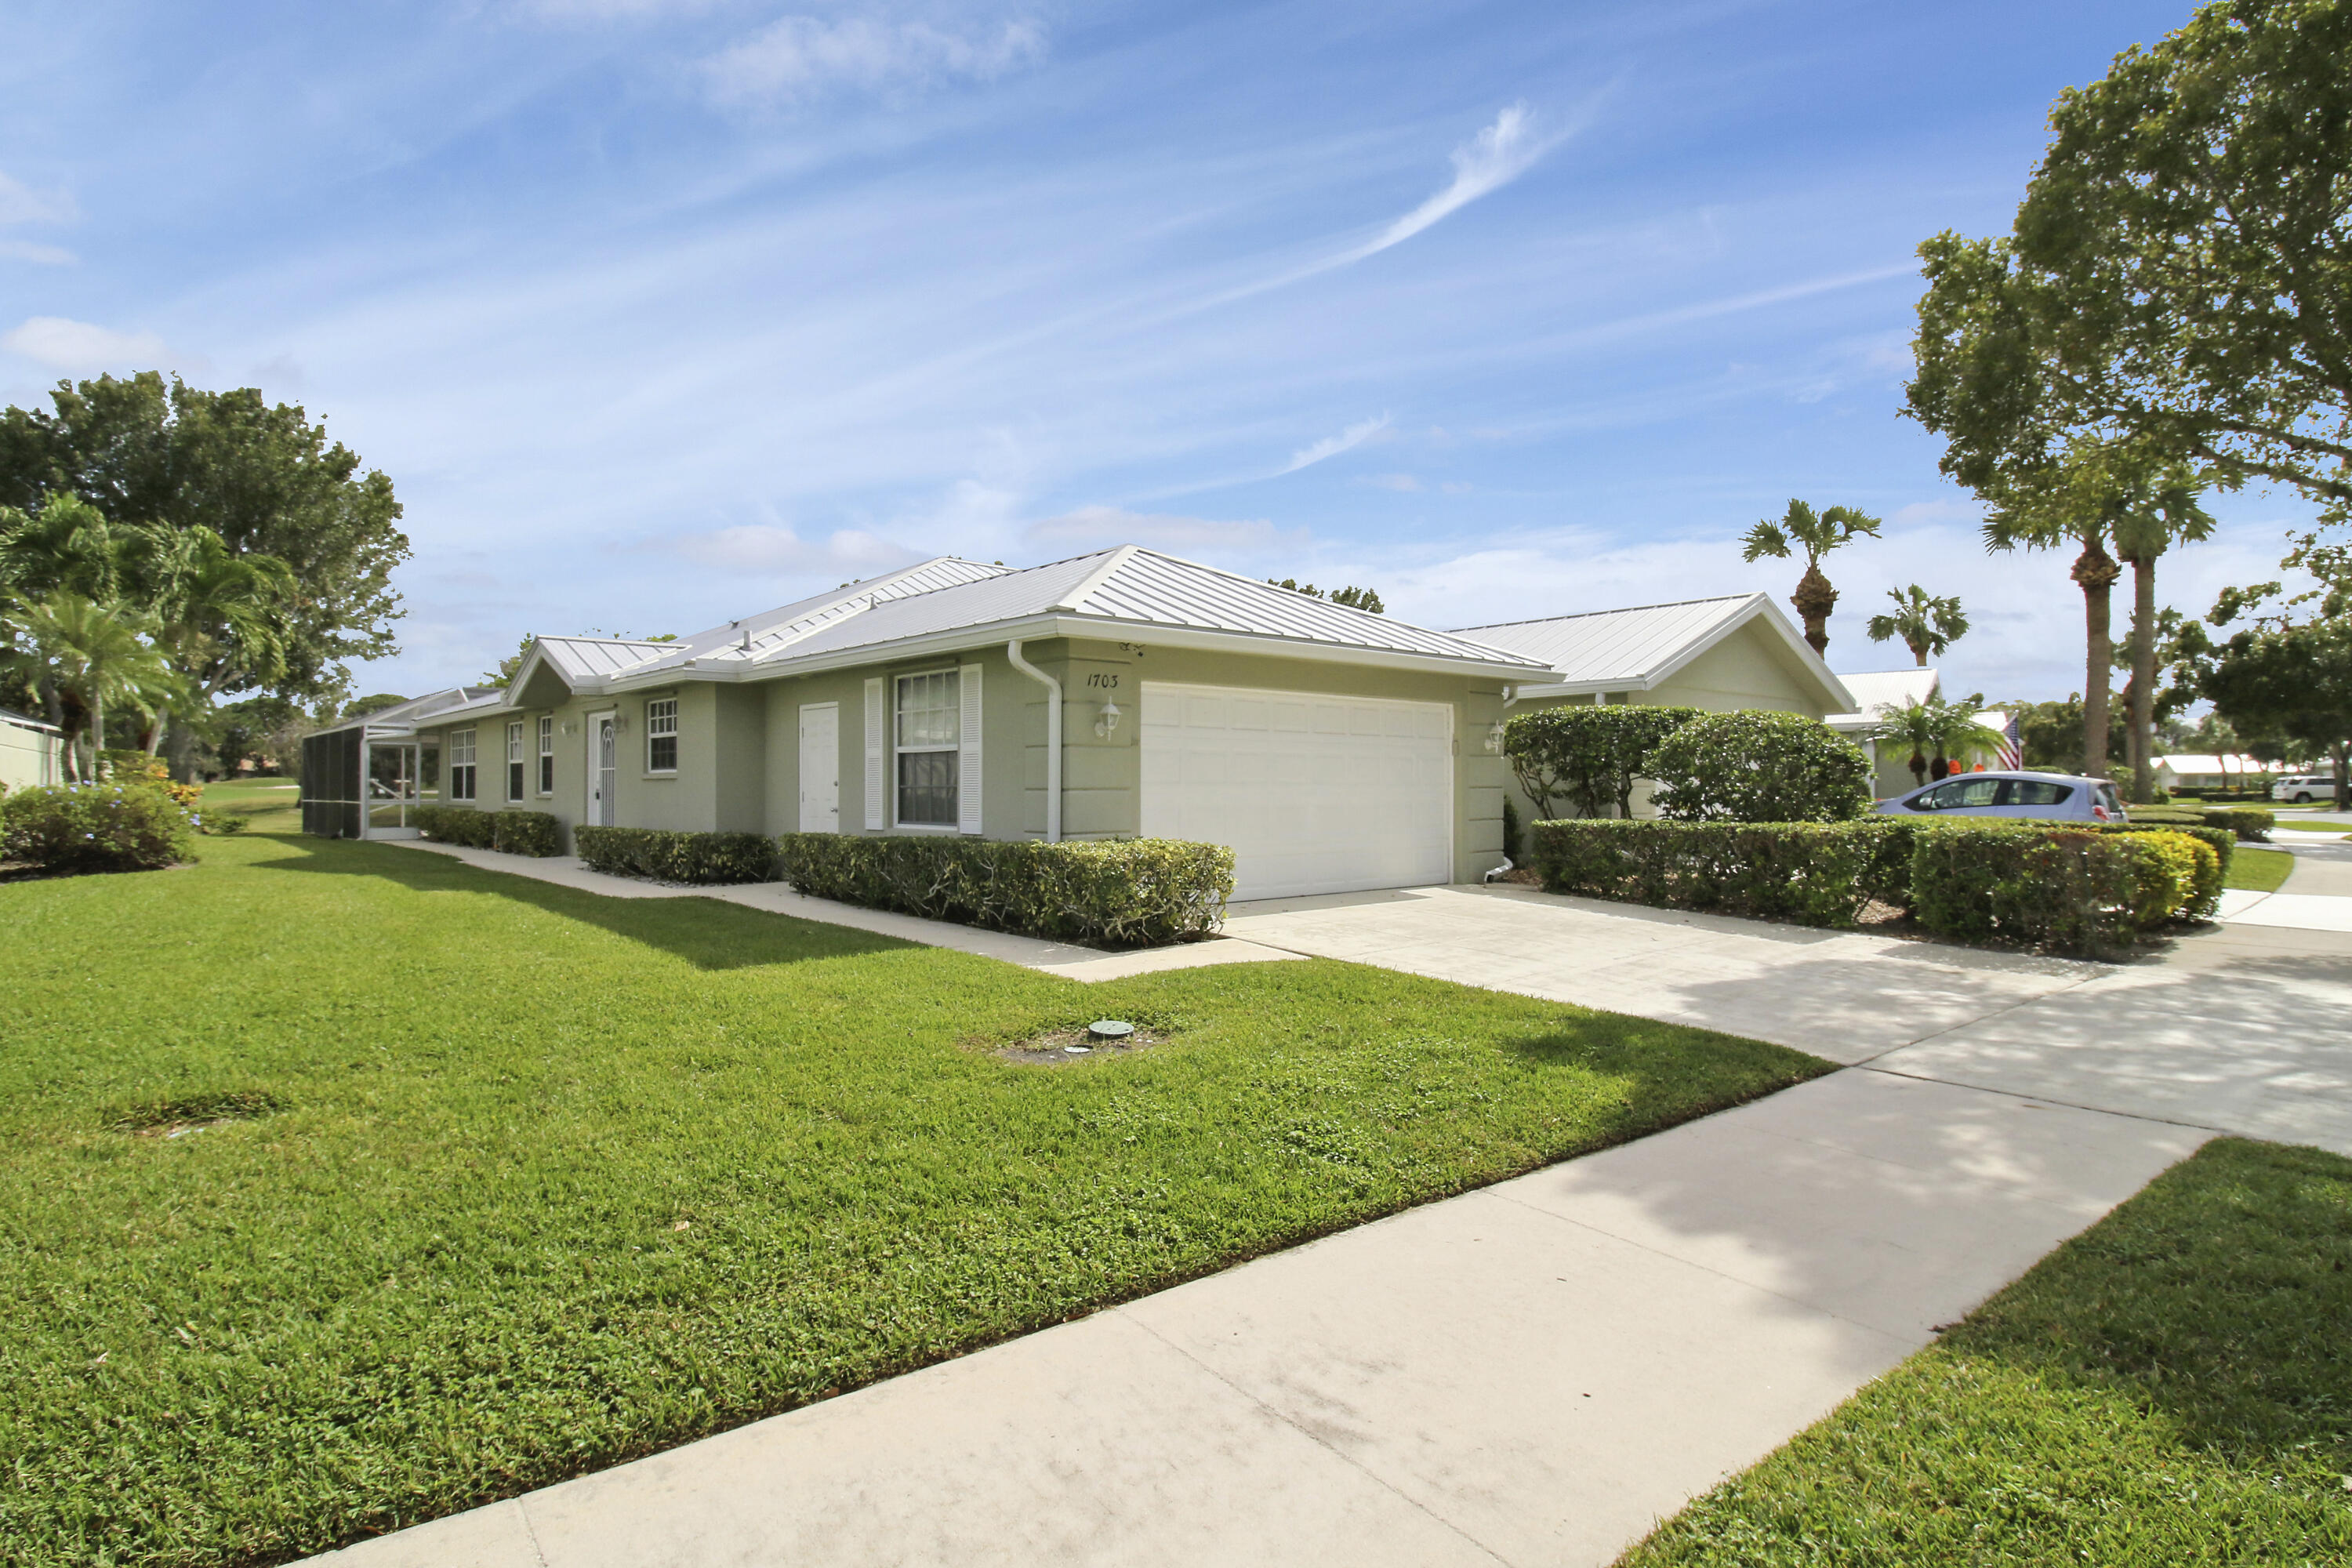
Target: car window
[(1958, 793), (2038, 792), (1979, 792), (2108, 798)]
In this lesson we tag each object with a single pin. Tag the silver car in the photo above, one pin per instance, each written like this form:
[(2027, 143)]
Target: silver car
[(2069, 797)]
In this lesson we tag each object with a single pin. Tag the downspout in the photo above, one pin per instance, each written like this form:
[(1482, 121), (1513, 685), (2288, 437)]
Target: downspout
[(1053, 738)]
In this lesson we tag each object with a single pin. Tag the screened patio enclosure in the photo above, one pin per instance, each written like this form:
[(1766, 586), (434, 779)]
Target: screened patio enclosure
[(366, 779)]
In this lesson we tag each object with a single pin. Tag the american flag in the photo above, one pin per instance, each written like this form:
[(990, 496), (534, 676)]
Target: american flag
[(2012, 754)]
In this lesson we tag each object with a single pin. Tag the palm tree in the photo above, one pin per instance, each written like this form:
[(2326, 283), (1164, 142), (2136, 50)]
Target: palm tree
[(1815, 533), (216, 613), (67, 544), (94, 654), (1912, 724), (1925, 625), (1949, 730), (2160, 510)]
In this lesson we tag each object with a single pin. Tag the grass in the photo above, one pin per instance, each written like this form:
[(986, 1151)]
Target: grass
[(2172, 1388), (2256, 870), (2310, 827), (478, 1183)]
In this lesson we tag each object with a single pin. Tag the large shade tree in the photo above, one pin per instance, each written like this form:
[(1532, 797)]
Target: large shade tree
[(1803, 531), (266, 482)]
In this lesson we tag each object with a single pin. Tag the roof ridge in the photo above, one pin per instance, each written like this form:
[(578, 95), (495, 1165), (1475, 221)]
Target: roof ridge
[(1620, 610), (1076, 599)]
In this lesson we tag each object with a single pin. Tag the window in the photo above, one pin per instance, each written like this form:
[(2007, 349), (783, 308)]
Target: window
[(547, 753), (661, 736), (1958, 793), (930, 733), (2038, 792), (514, 759), (461, 764)]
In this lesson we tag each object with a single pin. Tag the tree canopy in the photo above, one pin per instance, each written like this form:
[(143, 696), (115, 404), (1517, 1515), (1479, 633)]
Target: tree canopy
[(2177, 272), (1354, 598)]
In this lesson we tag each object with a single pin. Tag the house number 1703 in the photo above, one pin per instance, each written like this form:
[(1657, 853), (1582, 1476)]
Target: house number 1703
[(1099, 679)]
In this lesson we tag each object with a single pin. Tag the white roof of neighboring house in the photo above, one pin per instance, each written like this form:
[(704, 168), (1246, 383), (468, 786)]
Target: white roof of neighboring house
[(2206, 762), (1876, 689), (402, 717), (1638, 649)]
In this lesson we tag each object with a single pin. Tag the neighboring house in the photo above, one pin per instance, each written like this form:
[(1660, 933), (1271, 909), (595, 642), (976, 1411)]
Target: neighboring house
[(2197, 771), (1721, 654), (1119, 693), (29, 752), (1873, 690)]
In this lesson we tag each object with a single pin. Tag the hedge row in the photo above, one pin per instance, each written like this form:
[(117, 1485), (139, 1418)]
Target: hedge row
[(1136, 892), (72, 829), (664, 857), (533, 833), (2069, 888)]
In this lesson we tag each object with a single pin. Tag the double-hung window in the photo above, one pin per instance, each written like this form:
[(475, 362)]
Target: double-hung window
[(547, 753), (661, 736), (514, 759), (929, 735), (461, 764)]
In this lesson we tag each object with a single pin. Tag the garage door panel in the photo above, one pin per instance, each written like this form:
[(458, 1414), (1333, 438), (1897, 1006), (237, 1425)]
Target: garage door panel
[(1330, 795)]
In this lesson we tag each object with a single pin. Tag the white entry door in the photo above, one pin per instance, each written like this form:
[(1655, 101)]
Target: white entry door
[(601, 769), (821, 768), (1313, 794)]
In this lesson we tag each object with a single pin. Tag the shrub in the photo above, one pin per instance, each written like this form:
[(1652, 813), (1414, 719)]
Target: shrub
[(1760, 766), (110, 827), (2247, 824), (1814, 873), (511, 832), (2064, 889), (1132, 892), (223, 822), (1588, 755), (1511, 831), (666, 856)]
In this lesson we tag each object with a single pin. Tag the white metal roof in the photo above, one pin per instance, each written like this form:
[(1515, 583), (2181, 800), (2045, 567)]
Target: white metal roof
[(2206, 762), (1873, 690), (1637, 648)]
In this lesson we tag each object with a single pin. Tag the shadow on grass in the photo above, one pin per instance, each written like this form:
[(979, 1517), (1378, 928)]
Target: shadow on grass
[(706, 933)]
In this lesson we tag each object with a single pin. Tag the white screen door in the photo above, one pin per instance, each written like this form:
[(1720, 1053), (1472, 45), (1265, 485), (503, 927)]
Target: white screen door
[(821, 768), (600, 771)]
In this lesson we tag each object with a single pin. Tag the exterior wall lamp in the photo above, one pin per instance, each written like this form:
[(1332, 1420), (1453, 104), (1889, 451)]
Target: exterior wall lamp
[(1108, 720), (1495, 738)]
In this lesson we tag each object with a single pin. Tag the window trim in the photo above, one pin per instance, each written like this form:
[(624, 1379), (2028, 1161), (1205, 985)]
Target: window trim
[(515, 776), (653, 735), (546, 754), (461, 764), (952, 749)]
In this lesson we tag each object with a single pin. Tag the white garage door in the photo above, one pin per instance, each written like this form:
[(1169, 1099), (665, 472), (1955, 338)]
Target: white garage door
[(1315, 794)]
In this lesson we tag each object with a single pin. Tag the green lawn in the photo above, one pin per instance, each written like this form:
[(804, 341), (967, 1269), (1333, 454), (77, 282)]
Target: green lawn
[(2257, 870), (546, 1181), (2172, 1388)]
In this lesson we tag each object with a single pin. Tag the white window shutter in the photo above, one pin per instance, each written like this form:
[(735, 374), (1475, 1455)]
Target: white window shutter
[(968, 763), (877, 720)]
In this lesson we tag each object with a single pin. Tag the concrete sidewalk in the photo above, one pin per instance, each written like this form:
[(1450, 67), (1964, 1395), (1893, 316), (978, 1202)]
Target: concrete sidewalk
[(1527, 1374)]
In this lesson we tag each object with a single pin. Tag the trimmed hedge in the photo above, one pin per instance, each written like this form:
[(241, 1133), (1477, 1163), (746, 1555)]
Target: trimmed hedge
[(1133, 892), (1757, 765), (133, 826), (1814, 873), (665, 856), (535, 833), (2250, 823), (2069, 888)]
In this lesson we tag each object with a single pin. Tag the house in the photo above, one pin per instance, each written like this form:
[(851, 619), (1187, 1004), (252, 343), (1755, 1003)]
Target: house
[(1875, 689), (1117, 693), (1721, 654), (2200, 770), (29, 752)]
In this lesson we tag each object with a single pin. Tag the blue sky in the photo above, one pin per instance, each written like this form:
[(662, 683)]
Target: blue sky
[(660, 311)]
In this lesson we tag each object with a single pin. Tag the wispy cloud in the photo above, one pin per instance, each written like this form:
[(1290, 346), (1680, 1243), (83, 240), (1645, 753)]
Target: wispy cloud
[(795, 58), (772, 551), (1355, 434), (20, 203), (75, 346), (1112, 525), (44, 254), (1482, 165)]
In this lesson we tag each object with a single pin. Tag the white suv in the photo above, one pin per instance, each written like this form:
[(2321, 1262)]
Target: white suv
[(2305, 788)]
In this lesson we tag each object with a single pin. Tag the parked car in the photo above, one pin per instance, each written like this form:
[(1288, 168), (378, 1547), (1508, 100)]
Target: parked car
[(2068, 797), (2305, 788)]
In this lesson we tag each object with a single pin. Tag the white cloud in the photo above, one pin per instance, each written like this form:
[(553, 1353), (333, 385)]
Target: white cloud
[(44, 255), (73, 346), (20, 203), (771, 550), (1403, 483), (1096, 525), (799, 57), (1482, 165), (1355, 434)]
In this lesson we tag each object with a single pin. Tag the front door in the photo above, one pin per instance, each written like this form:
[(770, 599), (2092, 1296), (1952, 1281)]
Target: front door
[(821, 768), (600, 770)]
